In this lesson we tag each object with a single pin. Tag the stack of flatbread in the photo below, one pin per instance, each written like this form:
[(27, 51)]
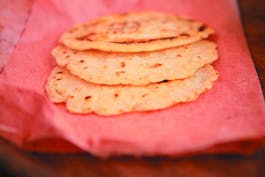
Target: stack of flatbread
[(129, 62)]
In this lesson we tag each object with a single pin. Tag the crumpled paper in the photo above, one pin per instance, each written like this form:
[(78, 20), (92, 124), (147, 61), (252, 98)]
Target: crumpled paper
[(233, 110), (13, 16)]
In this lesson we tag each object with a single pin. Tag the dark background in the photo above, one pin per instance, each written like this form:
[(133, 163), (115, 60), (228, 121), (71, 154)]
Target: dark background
[(16, 162)]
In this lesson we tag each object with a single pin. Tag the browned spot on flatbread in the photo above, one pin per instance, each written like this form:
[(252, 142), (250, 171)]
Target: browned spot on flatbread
[(116, 95), (57, 91), (184, 34), (122, 64), (124, 27), (88, 37), (88, 97), (202, 28), (164, 81), (156, 65), (119, 72)]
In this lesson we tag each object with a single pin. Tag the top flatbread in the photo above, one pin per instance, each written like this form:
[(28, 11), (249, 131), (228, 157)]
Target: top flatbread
[(135, 32)]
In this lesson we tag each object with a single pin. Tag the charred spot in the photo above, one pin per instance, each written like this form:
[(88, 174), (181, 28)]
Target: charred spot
[(67, 56), (57, 91), (184, 34), (119, 72), (59, 79), (87, 37), (88, 97), (83, 38), (198, 56), (179, 55), (122, 64), (202, 28), (80, 37), (59, 72), (81, 61), (164, 81), (156, 65), (116, 95)]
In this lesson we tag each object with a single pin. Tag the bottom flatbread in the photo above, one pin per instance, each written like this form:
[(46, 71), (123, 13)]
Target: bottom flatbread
[(83, 97)]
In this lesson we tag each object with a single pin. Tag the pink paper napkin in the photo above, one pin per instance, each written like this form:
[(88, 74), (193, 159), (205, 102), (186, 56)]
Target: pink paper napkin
[(13, 16), (233, 110)]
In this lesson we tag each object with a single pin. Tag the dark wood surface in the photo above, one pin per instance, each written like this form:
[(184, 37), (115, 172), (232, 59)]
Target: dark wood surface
[(253, 19), (16, 162)]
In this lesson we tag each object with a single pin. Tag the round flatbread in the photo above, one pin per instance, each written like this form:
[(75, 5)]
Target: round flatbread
[(135, 32), (136, 68), (83, 97)]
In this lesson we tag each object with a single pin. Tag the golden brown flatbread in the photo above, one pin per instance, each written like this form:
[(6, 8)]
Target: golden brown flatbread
[(136, 68), (83, 97), (135, 32)]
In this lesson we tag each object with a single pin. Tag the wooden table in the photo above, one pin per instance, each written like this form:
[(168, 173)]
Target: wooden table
[(15, 162), (253, 18)]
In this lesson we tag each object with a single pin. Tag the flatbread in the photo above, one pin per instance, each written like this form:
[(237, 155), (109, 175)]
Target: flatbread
[(135, 32), (83, 97), (136, 68)]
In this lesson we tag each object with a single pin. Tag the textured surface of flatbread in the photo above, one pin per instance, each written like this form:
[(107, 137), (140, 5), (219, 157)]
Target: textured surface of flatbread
[(136, 68), (83, 97), (135, 32)]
